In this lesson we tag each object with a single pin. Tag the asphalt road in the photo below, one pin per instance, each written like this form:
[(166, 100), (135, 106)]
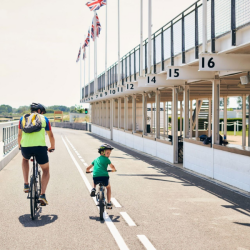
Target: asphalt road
[(170, 208)]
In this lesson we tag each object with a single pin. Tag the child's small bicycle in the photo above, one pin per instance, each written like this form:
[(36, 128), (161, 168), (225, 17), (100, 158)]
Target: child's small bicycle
[(100, 197)]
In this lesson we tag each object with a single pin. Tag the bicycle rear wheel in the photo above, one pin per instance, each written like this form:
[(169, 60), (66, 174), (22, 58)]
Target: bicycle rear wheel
[(101, 204), (32, 198)]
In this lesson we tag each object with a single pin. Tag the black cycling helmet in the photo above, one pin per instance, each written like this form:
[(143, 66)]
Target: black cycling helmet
[(104, 147), (35, 106)]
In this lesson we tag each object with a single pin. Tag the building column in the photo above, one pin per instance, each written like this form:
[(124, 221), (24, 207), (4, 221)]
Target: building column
[(151, 120), (111, 116), (191, 119), (157, 117), (181, 110), (248, 120), (144, 114), (106, 111), (225, 117), (174, 121), (186, 93), (244, 120), (209, 116), (196, 120), (215, 114), (101, 112), (125, 113), (119, 112), (134, 113), (164, 118), (167, 119)]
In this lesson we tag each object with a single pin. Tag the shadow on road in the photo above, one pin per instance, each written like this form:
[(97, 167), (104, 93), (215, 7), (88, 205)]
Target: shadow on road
[(96, 218), (40, 220), (112, 217), (185, 178)]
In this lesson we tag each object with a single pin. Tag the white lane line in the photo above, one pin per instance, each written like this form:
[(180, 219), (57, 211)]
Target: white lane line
[(147, 244), (79, 156), (85, 164), (82, 160), (115, 202), (118, 238), (127, 218)]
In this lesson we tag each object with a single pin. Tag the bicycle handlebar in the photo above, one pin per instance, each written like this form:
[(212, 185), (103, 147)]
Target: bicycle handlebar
[(107, 171)]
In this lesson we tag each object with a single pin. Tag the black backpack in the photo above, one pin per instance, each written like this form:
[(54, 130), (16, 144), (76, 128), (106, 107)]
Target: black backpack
[(31, 123)]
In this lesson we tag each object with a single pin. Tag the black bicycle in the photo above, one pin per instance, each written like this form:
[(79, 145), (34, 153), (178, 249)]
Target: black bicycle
[(100, 197), (35, 188)]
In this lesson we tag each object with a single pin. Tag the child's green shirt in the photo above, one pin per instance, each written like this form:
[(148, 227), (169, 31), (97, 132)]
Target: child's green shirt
[(100, 166)]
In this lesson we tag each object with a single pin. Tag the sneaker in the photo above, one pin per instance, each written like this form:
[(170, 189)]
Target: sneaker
[(42, 200), (92, 194), (26, 188), (109, 205)]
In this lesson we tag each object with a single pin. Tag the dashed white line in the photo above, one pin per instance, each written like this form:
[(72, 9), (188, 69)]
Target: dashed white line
[(82, 160), (127, 218), (147, 244), (118, 238), (115, 202)]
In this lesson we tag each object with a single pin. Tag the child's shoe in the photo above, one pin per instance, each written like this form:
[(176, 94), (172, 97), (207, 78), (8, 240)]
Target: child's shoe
[(92, 194)]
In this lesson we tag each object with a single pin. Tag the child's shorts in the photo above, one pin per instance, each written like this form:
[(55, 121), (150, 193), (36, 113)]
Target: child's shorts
[(103, 179)]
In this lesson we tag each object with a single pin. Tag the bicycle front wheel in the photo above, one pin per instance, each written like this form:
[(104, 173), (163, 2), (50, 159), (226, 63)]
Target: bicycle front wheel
[(32, 198), (101, 204)]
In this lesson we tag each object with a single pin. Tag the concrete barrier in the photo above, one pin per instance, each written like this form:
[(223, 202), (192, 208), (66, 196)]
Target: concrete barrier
[(71, 125), (8, 157)]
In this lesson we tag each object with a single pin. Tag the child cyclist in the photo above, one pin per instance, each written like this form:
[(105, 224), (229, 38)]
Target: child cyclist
[(100, 173)]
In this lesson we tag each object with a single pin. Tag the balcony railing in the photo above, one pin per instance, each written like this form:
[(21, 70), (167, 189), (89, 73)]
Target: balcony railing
[(180, 35)]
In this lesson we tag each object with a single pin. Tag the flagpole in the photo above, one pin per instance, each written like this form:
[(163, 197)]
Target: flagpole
[(119, 63), (141, 41), (80, 74), (95, 55), (89, 67), (106, 48), (84, 68), (149, 35)]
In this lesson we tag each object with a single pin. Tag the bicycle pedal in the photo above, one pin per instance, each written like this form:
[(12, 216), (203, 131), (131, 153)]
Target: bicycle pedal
[(43, 205), (109, 207)]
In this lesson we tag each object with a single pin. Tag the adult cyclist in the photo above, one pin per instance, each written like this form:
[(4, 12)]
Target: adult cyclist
[(34, 144)]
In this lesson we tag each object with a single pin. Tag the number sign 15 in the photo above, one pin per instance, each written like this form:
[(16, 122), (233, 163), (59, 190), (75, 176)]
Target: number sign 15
[(176, 73)]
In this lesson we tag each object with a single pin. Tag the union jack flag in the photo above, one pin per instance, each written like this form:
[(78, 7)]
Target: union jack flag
[(79, 54), (87, 40), (96, 4), (98, 27)]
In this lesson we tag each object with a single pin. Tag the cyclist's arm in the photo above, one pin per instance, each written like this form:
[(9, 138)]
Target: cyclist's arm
[(19, 137), (88, 168), (51, 139), (112, 167)]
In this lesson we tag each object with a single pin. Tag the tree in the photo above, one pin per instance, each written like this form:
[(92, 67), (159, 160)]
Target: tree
[(239, 102), (23, 109), (5, 109), (79, 108)]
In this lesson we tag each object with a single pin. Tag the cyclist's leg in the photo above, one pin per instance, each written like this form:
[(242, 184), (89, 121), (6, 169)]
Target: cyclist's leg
[(109, 193), (45, 177), (25, 167)]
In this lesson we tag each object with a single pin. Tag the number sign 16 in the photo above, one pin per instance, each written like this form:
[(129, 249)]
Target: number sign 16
[(210, 63)]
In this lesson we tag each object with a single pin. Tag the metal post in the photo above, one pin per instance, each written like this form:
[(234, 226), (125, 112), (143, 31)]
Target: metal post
[(233, 23), (80, 73), (134, 113), (125, 113), (212, 27), (88, 94), (196, 33), (191, 119), (248, 120), (162, 50), (149, 35), (172, 43), (183, 38), (215, 114), (154, 55), (134, 65), (95, 55), (225, 117), (204, 26), (157, 117), (174, 121), (119, 63), (141, 39), (106, 48), (244, 120)]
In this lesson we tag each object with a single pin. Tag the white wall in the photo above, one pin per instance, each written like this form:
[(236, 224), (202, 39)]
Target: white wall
[(233, 169), (198, 158), (101, 131)]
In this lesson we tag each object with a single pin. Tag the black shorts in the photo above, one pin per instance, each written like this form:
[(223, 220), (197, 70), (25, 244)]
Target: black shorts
[(41, 154), (103, 179)]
